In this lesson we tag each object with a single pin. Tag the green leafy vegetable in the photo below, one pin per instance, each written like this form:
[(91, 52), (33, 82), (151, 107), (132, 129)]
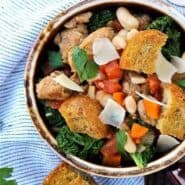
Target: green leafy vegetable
[(4, 174), (181, 83), (100, 18), (166, 25), (80, 145), (55, 59), (141, 159), (53, 117), (86, 69), (121, 139)]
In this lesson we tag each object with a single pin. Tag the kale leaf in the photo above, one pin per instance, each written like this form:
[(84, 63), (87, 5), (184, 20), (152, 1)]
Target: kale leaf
[(80, 145), (86, 69), (52, 116), (181, 83), (4, 174), (100, 18), (166, 25), (55, 59), (141, 159)]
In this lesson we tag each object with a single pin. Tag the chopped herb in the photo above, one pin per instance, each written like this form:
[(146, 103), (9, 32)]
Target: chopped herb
[(166, 25), (80, 145), (181, 83), (55, 59), (141, 159), (4, 174), (86, 69), (100, 18)]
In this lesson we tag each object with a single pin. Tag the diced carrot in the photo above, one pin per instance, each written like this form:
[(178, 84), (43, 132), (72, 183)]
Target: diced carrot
[(118, 97), (154, 83), (110, 154), (137, 141), (99, 84), (113, 71), (54, 104), (111, 86), (102, 68), (138, 131), (110, 146), (112, 160), (152, 109), (155, 86)]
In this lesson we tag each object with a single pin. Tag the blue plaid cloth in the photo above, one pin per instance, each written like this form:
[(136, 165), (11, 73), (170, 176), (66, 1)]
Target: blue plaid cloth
[(20, 145)]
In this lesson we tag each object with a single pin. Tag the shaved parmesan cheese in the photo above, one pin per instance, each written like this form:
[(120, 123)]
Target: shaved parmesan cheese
[(113, 114), (179, 64), (66, 82), (104, 51), (165, 143), (164, 69), (150, 98)]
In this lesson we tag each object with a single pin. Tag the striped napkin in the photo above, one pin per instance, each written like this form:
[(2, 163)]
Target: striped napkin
[(20, 145)]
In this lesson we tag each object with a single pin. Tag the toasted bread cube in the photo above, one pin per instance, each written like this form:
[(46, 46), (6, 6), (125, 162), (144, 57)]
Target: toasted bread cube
[(81, 115), (142, 51), (66, 175), (172, 121)]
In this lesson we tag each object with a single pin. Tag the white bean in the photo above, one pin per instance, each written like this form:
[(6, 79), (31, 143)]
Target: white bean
[(103, 97), (119, 41), (131, 33), (183, 56), (130, 104), (91, 91), (141, 109), (136, 78), (126, 19), (130, 146)]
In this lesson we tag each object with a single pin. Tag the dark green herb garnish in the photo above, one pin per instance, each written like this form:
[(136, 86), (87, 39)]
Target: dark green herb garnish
[(181, 83), (141, 159), (166, 25), (55, 59), (86, 69), (4, 174), (80, 145), (100, 18)]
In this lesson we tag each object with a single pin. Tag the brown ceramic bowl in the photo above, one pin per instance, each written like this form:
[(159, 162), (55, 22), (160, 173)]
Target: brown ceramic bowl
[(152, 6)]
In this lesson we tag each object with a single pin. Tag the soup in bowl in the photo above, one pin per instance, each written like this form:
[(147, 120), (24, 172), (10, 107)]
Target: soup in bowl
[(105, 86)]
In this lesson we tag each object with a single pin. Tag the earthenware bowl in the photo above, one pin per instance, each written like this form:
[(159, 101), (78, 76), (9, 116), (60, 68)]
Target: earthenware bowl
[(154, 6)]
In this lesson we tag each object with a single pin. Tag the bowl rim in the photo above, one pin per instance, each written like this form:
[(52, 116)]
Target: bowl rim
[(88, 167)]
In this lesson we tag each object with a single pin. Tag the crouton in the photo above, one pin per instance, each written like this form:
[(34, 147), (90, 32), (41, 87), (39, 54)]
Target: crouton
[(142, 51), (172, 120), (67, 175), (81, 115), (48, 89)]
